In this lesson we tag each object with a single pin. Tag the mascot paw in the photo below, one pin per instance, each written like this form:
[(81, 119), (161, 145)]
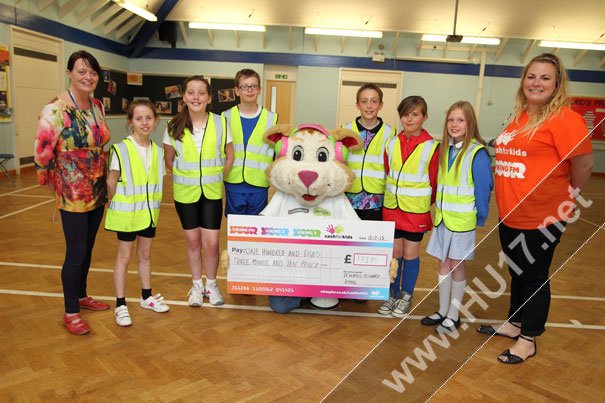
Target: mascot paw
[(224, 261), (393, 269)]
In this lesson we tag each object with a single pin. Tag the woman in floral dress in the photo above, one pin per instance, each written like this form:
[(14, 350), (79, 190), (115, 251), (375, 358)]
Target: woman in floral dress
[(69, 159)]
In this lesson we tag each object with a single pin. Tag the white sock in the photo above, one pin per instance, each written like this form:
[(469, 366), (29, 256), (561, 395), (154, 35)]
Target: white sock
[(445, 285), (457, 294), (210, 281), (199, 283)]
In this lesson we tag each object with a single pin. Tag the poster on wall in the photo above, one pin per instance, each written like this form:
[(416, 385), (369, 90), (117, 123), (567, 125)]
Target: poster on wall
[(592, 110), (6, 111)]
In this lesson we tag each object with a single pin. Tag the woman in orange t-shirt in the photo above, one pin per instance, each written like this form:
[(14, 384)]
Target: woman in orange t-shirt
[(543, 158)]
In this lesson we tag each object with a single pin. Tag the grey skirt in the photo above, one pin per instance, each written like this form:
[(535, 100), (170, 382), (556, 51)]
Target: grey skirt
[(455, 245)]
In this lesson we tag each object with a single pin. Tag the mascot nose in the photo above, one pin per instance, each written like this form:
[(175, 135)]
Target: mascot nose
[(308, 177)]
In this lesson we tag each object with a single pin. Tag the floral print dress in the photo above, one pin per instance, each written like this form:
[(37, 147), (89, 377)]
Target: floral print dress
[(68, 155)]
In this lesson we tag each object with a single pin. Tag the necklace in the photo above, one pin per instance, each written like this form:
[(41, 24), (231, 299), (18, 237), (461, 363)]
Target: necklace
[(95, 129)]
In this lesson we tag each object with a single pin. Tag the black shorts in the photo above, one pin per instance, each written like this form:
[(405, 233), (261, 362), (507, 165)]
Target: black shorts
[(410, 236), (374, 214), (204, 213), (131, 236)]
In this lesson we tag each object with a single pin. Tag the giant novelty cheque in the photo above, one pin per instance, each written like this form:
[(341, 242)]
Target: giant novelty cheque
[(309, 258)]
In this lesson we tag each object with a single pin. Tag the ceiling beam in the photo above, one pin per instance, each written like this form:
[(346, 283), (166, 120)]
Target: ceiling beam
[(43, 4), (263, 40), (68, 7), (602, 62), (471, 51), (183, 31), (369, 45), (289, 38), (237, 38), (500, 48), (117, 21), (149, 28), (343, 41), (128, 26), (579, 57), (211, 37), (90, 10), (532, 44), (317, 43), (395, 44), (105, 15)]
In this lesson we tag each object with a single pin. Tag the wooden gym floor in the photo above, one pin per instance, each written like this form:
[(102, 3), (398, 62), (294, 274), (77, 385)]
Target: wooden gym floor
[(244, 352)]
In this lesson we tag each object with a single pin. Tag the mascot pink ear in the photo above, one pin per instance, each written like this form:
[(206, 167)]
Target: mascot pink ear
[(280, 143)]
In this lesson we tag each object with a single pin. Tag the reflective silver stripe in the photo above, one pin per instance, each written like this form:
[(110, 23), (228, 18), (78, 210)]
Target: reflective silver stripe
[(456, 208), (178, 146), (270, 119), (133, 190), (406, 177), (466, 164), (374, 159), (370, 173), (257, 164), (426, 151), (187, 166), (257, 149), (355, 158), (238, 147), (414, 192), (238, 162), (218, 127), (126, 172), (456, 190), (132, 207), (185, 180), (357, 172), (405, 191), (215, 162)]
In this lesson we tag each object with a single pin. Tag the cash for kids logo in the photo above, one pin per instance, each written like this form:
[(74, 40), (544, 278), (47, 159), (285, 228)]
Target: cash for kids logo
[(337, 232)]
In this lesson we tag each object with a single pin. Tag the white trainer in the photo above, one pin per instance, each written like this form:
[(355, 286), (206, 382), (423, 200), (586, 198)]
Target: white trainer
[(214, 294), (387, 306), (155, 303), (122, 316), (402, 306), (196, 295)]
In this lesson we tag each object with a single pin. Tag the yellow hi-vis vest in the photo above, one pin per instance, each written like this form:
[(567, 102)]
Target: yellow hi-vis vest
[(455, 204), (250, 160), (136, 204), (193, 172), (368, 166), (408, 184)]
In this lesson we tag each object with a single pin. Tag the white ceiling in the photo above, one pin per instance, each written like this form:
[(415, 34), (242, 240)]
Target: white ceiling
[(582, 20)]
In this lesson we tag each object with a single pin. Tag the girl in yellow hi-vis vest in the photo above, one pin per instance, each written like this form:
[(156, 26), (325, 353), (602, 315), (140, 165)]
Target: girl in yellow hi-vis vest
[(136, 173), (199, 151), (464, 185)]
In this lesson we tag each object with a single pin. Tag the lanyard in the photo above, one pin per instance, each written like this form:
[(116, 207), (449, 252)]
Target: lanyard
[(95, 132)]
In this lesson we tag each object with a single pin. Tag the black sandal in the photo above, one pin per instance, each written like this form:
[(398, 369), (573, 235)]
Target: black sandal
[(428, 321), (515, 359), (489, 330)]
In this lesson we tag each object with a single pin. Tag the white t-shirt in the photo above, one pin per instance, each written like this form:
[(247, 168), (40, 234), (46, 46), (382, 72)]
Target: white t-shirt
[(284, 205), (144, 153), (198, 137)]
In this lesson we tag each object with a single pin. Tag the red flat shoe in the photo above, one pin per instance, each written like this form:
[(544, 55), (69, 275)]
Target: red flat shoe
[(75, 324), (89, 303)]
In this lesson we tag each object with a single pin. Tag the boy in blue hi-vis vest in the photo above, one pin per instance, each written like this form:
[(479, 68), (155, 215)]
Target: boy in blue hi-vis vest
[(464, 185), (246, 185), (136, 173), (199, 152)]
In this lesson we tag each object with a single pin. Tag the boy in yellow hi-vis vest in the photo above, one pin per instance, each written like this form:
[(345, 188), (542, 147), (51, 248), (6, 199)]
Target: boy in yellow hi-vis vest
[(246, 185), (136, 173)]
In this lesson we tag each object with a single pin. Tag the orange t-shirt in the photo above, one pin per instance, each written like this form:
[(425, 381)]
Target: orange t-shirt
[(523, 168)]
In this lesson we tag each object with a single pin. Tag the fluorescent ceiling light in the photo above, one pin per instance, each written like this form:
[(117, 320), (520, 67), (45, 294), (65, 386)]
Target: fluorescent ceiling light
[(343, 32), (476, 40), (230, 27), (140, 11), (572, 45)]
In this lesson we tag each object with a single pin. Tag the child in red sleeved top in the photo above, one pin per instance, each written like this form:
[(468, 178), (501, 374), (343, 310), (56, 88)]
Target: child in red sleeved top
[(411, 161)]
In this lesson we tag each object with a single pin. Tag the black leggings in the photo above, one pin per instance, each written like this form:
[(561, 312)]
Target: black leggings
[(80, 230), (529, 255)]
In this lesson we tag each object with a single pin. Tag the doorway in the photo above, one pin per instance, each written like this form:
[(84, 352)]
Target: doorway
[(37, 78)]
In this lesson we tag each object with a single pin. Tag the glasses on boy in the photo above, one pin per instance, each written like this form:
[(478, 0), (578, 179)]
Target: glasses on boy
[(246, 87)]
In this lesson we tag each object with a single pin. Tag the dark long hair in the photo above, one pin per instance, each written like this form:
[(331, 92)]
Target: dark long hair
[(182, 121)]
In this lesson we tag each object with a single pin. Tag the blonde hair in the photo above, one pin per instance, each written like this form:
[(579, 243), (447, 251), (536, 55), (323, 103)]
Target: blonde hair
[(472, 132), (553, 106)]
